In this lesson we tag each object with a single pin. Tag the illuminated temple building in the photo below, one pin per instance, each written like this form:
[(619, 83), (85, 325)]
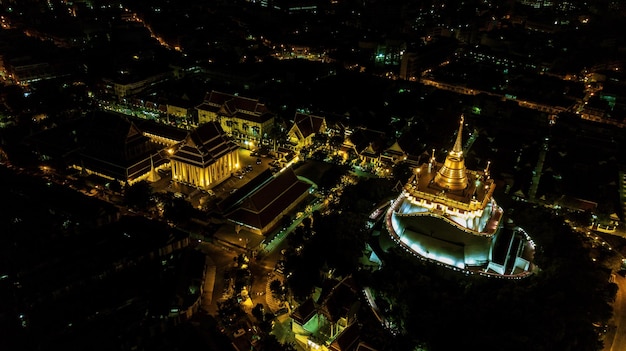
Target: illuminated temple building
[(446, 213), (206, 157)]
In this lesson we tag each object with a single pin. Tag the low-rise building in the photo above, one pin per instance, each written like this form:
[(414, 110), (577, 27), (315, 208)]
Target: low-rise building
[(113, 147), (305, 127), (329, 322), (247, 120), (205, 158), (260, 205)]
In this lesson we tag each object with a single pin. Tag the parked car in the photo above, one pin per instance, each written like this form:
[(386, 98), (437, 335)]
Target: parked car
[(282, 311)]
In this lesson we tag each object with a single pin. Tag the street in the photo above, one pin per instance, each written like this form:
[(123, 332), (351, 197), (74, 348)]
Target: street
[(615, 338)]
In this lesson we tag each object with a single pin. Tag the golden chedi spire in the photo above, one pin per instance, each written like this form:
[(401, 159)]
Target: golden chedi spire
[(452, 175)]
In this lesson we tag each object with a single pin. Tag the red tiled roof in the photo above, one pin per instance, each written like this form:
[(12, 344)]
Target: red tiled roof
[(364, 138), (208, 107), (308, 124), (266, 203), (304, 312), (205, 145), (241, 107), (217, 97), (346, 339)]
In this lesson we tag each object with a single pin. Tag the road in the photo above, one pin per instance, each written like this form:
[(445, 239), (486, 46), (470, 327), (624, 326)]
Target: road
[(615, 338), (223, 259)]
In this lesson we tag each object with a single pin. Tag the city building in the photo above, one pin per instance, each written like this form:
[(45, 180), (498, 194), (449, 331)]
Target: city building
[(260, 205), (364, 145), (128, 83), (205, 158), (247, 120), (446, 213), (111, 146), (304, 129), (392, 156), (329, 323)]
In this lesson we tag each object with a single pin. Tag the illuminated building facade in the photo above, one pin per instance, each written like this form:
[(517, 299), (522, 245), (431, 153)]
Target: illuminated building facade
[(447, 214), (206, 157), (246, 120), (304, 129)]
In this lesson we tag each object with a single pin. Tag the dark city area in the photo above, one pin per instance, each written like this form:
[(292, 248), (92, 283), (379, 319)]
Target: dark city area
[(328, 175)]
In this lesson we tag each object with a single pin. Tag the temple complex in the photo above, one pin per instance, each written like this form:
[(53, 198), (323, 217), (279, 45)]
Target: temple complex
[(206, 157), (446, 213), (246, 120)]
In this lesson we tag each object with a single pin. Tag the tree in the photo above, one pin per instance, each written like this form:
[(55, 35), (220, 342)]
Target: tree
[(277, 289), (138, 195), (401, 172), (229, 311), (177, 210), (258, 312), (270, 343)]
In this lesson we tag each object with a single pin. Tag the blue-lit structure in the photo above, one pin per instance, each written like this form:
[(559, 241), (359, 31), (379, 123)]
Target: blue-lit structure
[(447, 214)]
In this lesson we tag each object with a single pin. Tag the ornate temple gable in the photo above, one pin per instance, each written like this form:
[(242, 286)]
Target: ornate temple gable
[(204, 145), (394, 154), (133, 131), (308, 124), (396, 148), (304, 127), (369, 150)]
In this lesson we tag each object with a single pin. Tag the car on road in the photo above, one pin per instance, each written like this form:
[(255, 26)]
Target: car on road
[(282, 311), (258, 161)]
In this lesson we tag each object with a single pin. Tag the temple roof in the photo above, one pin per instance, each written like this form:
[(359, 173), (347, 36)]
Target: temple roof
[(308, 124), (304, 312), (205, 145), (259, 206), (113, 145), (367, 139), (235, 106), (347, 338)]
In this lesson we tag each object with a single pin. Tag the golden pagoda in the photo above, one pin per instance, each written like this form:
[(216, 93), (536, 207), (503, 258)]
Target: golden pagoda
[(447, 213), (452, 175)]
